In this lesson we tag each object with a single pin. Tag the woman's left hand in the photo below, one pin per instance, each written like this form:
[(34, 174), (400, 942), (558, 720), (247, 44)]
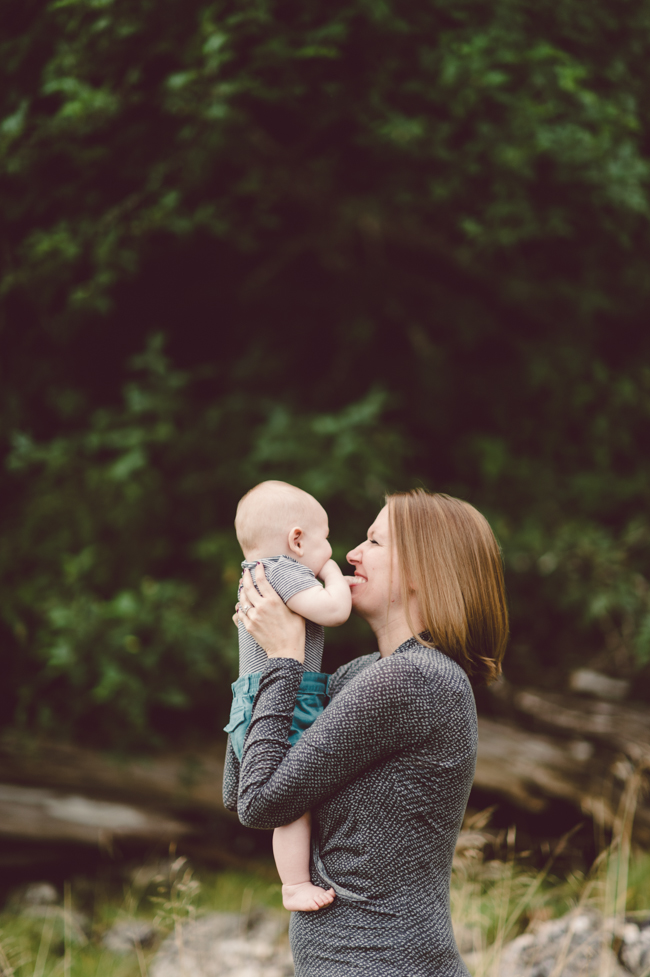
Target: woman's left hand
[(279, 631)]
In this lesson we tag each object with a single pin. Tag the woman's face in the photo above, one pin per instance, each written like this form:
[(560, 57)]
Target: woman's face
[(376, 579)]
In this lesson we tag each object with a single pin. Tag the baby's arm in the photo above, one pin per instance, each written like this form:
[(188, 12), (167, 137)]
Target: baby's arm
[(329, 605)]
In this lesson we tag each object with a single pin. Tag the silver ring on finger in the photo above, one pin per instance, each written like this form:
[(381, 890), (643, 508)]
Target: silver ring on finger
[(246, 608)]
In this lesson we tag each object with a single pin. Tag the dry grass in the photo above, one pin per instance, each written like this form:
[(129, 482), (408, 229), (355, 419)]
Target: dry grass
[(60, 944), (492, 902)]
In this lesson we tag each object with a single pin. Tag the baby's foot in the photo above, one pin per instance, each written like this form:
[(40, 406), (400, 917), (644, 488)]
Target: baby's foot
[(305, 897)]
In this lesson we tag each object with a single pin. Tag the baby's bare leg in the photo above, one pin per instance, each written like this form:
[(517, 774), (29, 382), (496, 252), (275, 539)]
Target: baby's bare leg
[(291, 850)]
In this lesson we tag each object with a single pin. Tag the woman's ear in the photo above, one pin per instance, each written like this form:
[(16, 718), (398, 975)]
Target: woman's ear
[(296, 537)]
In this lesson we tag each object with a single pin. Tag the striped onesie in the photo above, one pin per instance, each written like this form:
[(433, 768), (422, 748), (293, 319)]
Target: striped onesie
[(288, 577)]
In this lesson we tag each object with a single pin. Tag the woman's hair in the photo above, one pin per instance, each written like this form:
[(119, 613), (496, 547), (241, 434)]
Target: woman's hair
[(448, 556)]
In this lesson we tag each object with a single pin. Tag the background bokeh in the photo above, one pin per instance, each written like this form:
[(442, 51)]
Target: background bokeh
[(360, 245)]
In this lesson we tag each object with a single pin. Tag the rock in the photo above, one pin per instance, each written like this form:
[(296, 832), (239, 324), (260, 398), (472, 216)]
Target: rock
[(576, 945), (224, 945), (588, 682), (39, 894), (41, 900), (635, 952), (75, 923), (123, 936)]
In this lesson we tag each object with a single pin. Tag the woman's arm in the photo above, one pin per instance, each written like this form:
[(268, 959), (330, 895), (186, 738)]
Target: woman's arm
[(387, 708), (230, 788)]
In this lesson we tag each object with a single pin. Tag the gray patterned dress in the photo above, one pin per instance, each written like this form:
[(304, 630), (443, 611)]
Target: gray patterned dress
[(386, 771)]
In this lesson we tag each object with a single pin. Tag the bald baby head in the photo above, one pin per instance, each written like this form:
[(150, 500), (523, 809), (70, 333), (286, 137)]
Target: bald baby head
[(269, 516)]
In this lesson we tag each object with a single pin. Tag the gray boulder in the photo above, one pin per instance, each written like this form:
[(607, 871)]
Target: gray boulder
[(126, 934), (576, 945), (227, 945), (40, 894), (635, 951)]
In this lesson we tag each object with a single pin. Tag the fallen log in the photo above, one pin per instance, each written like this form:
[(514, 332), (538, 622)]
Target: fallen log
[(527, 769), (624, 727), (532, 771), (57, 792), (547, 746), (47, 816), (540, 748), (177, 782)]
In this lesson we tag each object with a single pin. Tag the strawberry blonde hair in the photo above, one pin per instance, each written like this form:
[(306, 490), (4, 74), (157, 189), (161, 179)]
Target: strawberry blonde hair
[(448, 555)]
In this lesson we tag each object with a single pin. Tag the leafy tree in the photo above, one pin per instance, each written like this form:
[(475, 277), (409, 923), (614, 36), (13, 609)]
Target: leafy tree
[(386, 243), (122, 569)]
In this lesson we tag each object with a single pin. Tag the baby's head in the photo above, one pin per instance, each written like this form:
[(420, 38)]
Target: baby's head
[(278, 519)]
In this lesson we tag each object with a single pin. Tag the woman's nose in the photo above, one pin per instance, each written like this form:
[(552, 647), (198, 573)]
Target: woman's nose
[(354, 556)]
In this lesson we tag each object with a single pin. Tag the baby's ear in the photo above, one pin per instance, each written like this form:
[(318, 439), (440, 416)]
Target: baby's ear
[(296, 540)]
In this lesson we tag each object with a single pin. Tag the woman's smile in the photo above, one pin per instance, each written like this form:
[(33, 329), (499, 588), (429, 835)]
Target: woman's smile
[(360, 575), (370, 586)]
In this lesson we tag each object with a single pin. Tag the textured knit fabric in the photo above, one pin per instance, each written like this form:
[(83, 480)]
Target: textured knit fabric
[(288, 578), (386, 771)]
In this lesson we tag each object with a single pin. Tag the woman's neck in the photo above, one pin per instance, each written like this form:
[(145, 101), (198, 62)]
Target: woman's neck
[(394, 630)]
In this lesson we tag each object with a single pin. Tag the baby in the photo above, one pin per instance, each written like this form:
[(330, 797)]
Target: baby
[(286, 530)]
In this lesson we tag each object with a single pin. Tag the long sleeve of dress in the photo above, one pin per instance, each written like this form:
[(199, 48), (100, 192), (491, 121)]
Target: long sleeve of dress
[(230, 778), (387, 708)]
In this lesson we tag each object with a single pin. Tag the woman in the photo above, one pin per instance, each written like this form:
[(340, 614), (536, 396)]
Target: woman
[(387, 768)]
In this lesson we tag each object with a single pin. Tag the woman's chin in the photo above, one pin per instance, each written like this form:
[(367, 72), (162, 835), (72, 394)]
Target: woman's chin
[(356, 593)]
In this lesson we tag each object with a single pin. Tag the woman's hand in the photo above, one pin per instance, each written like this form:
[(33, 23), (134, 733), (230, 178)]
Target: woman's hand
[(279, 631)]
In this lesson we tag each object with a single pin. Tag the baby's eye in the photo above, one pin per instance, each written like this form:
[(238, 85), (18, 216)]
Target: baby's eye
[(374, 541)]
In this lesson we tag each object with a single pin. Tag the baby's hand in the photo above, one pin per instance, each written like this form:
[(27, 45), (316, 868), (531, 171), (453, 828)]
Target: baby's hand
[(329, 571), (329, 605)]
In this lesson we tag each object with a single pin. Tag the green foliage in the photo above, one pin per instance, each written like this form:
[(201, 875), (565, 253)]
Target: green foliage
[(516, 126), (598, 575), (385, 244), (115, 643)]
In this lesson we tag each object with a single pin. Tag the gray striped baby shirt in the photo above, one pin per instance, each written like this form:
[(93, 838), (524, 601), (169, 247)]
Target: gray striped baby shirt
[(288, 578)]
